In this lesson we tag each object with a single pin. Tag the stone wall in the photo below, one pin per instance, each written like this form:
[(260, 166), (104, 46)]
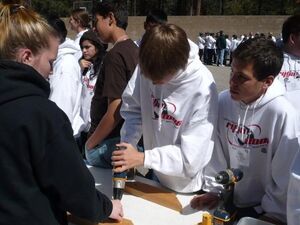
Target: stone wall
[(195, 24), (229, 24)]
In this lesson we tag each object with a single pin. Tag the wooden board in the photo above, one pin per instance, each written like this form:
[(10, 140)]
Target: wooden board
[(154, 194), (79, 221)]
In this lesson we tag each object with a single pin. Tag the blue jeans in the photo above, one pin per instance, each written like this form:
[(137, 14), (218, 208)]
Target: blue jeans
[(100, 155), (221, 56)]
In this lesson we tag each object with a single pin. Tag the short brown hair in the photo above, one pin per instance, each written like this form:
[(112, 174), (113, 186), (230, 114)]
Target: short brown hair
[(82, 17), (290, 26), (265, 56), (164, 50), (117, 7)]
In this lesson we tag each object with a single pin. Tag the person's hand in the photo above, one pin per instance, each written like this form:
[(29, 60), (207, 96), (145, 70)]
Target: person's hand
[(125, 159), (117, 211), (207, 200), (84, 64)]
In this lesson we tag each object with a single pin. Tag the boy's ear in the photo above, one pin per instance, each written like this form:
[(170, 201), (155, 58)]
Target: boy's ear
[(111, 18), (268, 82), (292, 38)]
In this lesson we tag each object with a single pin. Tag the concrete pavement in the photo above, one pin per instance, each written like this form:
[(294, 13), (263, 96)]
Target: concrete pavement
[(221, 76)]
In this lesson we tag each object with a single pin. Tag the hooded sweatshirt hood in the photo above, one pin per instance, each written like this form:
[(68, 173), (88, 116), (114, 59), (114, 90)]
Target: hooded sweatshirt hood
[(189, 74), (173, 117), (67, 47), (19, 80)]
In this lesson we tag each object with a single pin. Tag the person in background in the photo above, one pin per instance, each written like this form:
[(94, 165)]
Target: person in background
[(257, 133), (201, 43), (42, 175), (111, 19), (271, 37), (221, 46), (293, 198), (289, 75), (80, 23), (172, 100), (154, 17), (233, 46), (93, 52), (227, 51), (65, 80), (279, 42), (210, 48)]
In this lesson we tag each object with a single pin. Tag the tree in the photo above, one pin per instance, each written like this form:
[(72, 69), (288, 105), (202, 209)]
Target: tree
[(185, 7), (45, 7), (198, 7)]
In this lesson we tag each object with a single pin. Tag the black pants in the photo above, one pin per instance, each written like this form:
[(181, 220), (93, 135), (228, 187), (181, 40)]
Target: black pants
[(247, 212), (81, 143)]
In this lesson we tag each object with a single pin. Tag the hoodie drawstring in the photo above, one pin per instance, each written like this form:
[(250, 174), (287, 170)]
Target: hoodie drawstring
[(244, 121), (245, 116), (160, 110)]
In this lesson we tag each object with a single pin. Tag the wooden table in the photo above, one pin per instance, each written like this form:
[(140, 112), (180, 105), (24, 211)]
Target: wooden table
[(145, 212)]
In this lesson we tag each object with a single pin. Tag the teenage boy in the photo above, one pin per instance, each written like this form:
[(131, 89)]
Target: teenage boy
[(290, 71), (65, 80), (80, 23), (172, 100), (256, 134), (154, 17), (118, 65)]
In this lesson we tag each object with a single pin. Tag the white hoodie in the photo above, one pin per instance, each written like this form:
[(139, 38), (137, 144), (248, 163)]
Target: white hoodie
[(177, 121), (65, 84), (261, 140), (289, 76), (78, 54), (293, 199), (88, 85)]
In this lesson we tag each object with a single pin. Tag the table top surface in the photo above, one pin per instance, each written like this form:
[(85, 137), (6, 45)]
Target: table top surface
[(144, 212)]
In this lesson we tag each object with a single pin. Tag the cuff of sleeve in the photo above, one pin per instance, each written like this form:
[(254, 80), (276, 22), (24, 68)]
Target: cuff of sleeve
[(147, 159)]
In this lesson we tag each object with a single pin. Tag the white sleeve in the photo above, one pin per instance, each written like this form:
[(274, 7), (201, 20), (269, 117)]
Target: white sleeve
[(293, 199), (131, 110), (196, 144), (274, 200)]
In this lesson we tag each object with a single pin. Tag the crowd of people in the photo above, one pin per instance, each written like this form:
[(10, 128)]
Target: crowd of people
[(217, 48), (67, 103)]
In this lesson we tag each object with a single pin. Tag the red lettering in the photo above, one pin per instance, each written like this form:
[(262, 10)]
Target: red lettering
[(253, 141), (287, 74)]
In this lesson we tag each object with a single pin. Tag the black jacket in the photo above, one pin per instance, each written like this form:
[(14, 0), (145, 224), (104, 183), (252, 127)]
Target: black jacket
[(42, 174), (221, 42)]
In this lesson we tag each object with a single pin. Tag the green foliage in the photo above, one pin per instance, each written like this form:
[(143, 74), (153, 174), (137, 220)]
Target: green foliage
[(185, 7), (61, 8)]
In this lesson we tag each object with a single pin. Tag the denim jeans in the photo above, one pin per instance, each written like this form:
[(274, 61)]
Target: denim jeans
[(100, 155), (221, 56)]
